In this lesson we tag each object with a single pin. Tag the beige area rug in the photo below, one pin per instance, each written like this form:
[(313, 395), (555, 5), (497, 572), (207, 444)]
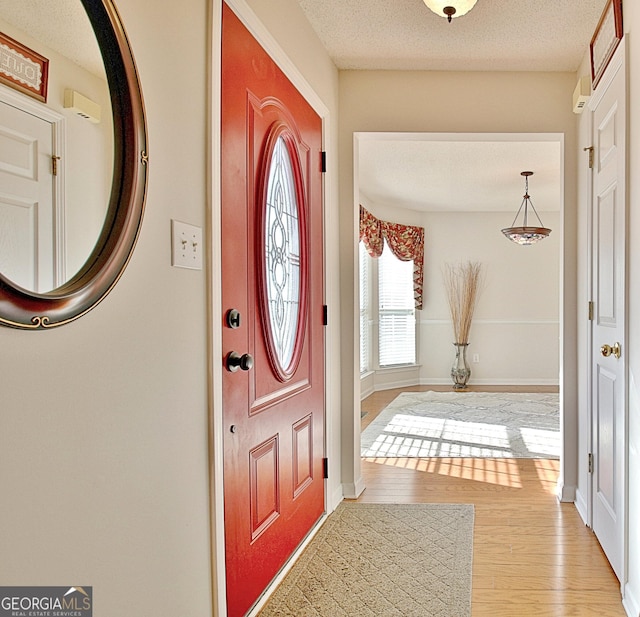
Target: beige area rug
[(466, 424), (390, 560)]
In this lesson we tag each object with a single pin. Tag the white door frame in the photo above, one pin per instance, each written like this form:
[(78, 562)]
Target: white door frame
[(214, 296), (566, 486), (58, 125)]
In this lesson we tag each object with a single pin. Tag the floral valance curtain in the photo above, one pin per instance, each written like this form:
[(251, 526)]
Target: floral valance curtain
[(405, 241)]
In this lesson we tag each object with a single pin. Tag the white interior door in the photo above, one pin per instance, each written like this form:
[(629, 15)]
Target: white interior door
[(608, 396), (27, 243)]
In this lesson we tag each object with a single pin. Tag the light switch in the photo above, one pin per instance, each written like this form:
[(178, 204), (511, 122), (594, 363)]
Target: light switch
[(186, 246)]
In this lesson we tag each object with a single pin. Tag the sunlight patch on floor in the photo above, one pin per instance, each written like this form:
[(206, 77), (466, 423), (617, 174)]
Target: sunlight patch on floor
[(497, 471), (423, 437), (407, 435), (540, 441), (548, 473)]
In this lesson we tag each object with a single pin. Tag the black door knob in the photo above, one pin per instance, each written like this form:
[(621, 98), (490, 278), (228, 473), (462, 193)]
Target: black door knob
[(236, 361)]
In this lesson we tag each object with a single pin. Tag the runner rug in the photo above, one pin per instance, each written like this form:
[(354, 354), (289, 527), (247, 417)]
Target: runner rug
[(466, 424), (391, 560)]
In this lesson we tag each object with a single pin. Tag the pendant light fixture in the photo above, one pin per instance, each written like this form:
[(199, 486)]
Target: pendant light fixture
[(526, 234), (450, 8)]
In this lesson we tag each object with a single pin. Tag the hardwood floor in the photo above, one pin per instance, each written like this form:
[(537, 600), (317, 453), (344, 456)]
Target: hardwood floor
[(533, 556)]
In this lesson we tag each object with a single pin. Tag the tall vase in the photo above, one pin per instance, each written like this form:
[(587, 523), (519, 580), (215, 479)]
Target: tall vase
[(460, 371)]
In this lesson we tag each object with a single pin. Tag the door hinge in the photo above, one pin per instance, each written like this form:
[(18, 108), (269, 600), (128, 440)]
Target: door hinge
[(590, 310), (54, 164), (325, 314), (323, 162), (590, 462), (325, 468), (590, 149)]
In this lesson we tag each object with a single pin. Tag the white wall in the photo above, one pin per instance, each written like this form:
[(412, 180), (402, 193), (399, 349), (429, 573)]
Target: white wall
[(103, 422), (516, 323), (515, 328)]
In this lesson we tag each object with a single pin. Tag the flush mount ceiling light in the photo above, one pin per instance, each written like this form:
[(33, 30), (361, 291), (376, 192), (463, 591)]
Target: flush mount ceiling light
[(526, 234), (450, 8)]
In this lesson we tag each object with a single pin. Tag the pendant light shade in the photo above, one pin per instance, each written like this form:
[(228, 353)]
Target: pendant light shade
[(450, 8), (526, 234)]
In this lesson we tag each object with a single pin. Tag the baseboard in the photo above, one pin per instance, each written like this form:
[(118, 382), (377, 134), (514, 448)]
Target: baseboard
[(392, 385), (581, 507), (493, 382), (630, 602), (335, 499), (353, 491), (447, 382), (368, 392), (565, 493)]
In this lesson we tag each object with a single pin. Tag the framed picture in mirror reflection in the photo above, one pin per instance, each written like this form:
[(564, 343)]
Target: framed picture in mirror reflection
[(23, 69)]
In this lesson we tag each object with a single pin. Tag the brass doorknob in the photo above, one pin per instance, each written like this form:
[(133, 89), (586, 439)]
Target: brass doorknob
[(607, 350)]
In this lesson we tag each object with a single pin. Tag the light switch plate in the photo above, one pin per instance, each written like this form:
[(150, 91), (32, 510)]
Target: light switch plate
[(186, 246)]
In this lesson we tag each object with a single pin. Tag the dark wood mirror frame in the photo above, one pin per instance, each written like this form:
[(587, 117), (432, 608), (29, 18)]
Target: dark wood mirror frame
[(27, 310)]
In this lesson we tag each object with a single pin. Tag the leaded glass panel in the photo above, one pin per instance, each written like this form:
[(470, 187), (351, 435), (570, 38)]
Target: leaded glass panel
[(282, 254)]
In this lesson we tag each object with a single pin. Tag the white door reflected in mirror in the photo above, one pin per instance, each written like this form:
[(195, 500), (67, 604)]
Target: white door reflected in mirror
[(49, 224), (27, 247)]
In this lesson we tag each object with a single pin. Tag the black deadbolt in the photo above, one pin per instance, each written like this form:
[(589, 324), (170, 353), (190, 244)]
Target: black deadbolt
[(233, 318)]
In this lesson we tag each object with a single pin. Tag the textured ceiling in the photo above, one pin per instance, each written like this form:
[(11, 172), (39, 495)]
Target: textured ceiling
[(61, 25), (462, 174), (505, 35), (459, 173)]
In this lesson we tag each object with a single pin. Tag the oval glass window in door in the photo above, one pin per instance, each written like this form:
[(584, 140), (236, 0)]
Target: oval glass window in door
[(283, 260)]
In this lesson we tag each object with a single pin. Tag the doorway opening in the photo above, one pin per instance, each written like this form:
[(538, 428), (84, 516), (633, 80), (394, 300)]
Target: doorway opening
[(463, 189)]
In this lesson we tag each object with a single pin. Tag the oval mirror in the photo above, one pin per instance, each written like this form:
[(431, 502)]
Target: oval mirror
[(61, 255)]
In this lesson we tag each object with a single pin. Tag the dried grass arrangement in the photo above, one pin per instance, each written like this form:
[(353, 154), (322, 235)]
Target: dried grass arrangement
[(462, 282)]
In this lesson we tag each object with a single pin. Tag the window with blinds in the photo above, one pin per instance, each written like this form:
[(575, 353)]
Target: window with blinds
[(365, 310), (396, 311)]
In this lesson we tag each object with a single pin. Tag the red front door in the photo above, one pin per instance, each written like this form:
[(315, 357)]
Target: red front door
[(272, 294)]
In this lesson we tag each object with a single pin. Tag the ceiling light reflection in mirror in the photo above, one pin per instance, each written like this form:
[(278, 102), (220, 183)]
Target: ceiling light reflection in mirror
[(53, 203)]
